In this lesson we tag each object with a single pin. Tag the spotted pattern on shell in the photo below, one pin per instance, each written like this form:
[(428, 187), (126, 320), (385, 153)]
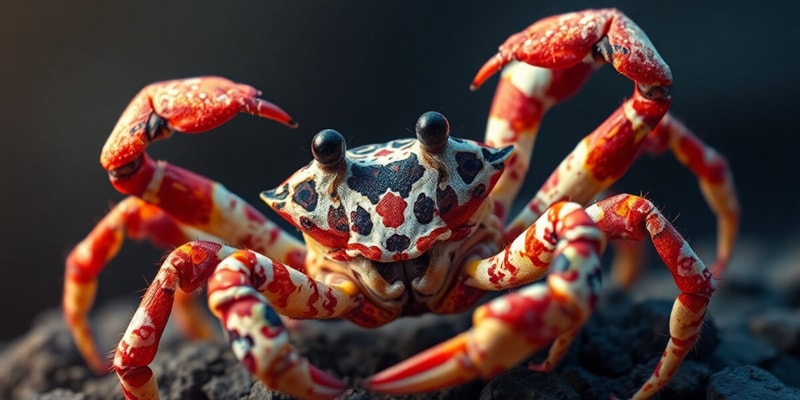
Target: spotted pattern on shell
[(391, 201)]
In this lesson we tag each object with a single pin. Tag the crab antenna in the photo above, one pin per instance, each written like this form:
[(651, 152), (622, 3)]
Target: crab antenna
[(433, 130), (328, 147)]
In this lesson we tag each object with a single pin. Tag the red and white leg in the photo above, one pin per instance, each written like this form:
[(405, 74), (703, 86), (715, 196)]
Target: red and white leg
[(510, 328), (193, 106), (172, 205), (137, 220), (714, 177), (247, 291), (634, 218), (584, 40), (523, 95)]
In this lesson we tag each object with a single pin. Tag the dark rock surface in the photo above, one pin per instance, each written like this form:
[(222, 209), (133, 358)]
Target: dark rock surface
[(748, 350)]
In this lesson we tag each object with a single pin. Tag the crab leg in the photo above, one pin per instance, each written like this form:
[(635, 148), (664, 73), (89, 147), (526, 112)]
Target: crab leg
[(545, 77), (510, 328), (562, 51), (138, 220), (714, 176), (192, 106), (176, 205), (524, 94), (633, 218), (245, 289)]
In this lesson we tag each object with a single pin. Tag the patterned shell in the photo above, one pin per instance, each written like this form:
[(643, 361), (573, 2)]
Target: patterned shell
[(390, 201)]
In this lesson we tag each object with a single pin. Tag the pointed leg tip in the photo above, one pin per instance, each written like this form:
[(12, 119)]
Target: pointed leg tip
[(325, 386)]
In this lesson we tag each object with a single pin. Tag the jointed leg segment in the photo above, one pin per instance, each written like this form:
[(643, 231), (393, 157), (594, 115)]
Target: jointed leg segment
[(246, 291)]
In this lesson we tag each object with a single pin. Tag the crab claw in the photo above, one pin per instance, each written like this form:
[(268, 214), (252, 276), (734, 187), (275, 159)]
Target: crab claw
[(505, 332), (306, 381), (442, 366), (562, 41), (191, 105), (261, 342)]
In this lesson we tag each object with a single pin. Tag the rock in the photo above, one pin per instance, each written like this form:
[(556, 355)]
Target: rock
[(746, 383), (613, 355), (780, 327)]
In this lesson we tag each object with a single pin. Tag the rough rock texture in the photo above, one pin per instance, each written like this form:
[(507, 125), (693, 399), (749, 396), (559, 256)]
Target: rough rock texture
[(748, 350)]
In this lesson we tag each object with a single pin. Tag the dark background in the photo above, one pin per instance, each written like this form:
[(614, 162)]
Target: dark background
[(368, 69)]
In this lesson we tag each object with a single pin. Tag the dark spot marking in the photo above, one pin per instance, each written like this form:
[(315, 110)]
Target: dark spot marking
[(305, 195), (337, 219), (478, 191), (306, 223), (423, 209), (361, 221), (560, 264), (275, 194), (397, 242), (469, 165), (373, 181), (446, 199)]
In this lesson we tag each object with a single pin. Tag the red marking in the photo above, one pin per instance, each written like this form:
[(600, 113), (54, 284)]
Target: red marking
[(254, 215), (371, 252), (383, 152), (281, 286), (399, 256), (391, 208), (271, 332), (339, 255), (535, 248), (274, 234), (330, 302), (426, 242), (570, 275), (312, 299), (495, 276), (523, 113)]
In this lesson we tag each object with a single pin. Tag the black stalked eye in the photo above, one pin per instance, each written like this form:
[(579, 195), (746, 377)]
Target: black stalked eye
[(157, 127), (328, 148), (432, 131)]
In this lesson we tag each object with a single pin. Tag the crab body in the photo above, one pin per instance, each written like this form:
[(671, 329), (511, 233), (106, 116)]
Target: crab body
[(410, 226), (382, 214)]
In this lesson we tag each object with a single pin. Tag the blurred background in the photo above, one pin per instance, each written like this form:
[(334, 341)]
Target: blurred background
[(367, 69)]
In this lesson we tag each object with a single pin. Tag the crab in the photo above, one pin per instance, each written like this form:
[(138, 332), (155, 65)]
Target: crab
[(411, 226)]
